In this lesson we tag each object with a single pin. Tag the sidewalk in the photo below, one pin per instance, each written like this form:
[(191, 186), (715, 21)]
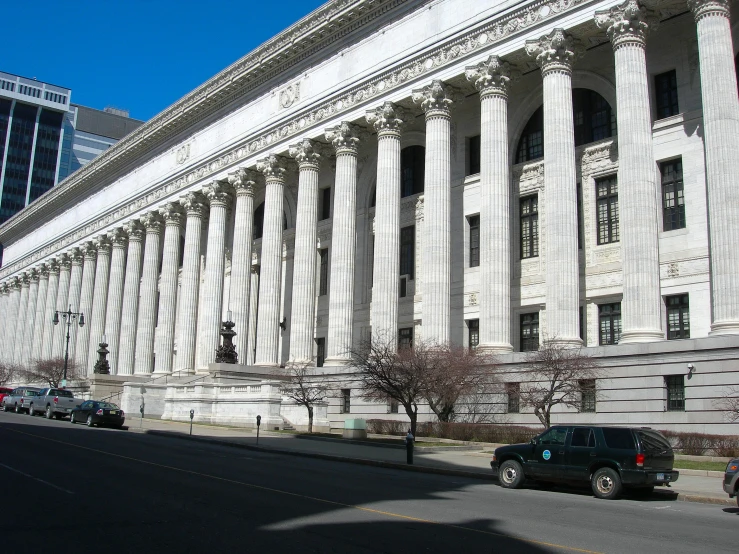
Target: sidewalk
[(440, 460)]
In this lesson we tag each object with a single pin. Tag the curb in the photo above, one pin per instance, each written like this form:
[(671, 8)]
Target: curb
[(682, 497)]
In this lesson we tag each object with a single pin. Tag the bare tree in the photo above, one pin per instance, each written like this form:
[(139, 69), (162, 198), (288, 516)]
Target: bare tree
[(7, 372), (557, 375), (729, 403), (386, 373), (304, 387), (50, 371), (450, 373), (481, 404)]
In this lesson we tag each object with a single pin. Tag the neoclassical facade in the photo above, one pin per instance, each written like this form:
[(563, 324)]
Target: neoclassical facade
[(482, 173)]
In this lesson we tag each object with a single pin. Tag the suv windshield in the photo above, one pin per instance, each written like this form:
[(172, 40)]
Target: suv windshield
[(652, 441)]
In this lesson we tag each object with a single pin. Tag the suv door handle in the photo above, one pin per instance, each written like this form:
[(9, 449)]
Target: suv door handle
[(592, 454), (561, 451)]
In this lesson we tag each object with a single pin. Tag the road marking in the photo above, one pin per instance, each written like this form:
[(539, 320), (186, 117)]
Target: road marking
[(35, 478), (313, 498)]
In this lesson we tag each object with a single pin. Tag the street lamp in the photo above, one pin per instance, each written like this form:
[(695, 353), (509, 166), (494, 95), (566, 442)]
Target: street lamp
[(68, 317)]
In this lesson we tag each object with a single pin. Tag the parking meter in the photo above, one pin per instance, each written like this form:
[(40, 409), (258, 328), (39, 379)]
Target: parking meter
[(192, 415), (141, 410), (259, 422)]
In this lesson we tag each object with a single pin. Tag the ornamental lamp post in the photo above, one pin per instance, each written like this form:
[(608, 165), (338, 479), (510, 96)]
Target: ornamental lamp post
[(68, 316)]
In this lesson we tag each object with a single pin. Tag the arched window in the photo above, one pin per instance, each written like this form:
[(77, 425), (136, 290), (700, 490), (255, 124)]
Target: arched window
[(592, 117), (259, 221), (412, 167)]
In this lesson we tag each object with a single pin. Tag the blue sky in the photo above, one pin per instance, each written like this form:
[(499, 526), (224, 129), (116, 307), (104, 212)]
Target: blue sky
[(140, 55)]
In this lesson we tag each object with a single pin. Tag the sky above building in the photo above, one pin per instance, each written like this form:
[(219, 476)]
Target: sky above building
[(138, 55)]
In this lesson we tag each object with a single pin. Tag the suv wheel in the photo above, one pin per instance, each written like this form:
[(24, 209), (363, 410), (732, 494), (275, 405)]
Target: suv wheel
[(71, 418), (606, 483), (510, 474), (49, 412), (17, 409), (30, 411), (89, 421)]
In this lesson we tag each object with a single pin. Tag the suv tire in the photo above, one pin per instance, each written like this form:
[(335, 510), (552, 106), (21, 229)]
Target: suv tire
[(17, 409), (71, 419), (89, 421), (510, 474), (49, 412), (30, 411), (606, 483)]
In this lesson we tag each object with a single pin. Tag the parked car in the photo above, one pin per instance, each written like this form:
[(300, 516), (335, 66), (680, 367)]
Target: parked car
[(19, 399), (4, 391), (53, 402), (610, 458), (731, 479), (96, 412)]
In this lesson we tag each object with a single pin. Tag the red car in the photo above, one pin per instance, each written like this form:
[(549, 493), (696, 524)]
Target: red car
[(4, 391)]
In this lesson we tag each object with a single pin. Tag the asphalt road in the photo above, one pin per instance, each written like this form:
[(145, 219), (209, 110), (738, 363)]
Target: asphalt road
[(103, 490)]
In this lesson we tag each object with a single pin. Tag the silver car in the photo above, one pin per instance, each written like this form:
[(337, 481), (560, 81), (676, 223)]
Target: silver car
[(731, 479), (20, 399)]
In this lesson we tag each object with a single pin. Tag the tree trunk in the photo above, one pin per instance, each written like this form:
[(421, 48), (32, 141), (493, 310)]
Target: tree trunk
[(310, 419)]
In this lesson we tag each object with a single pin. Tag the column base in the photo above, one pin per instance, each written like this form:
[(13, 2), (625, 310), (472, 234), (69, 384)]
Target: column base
[(336, 362), (495, 348), (641, 335), (724, 328)]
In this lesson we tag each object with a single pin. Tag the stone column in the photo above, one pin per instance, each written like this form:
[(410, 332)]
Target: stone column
[(173, 217), (75, 290), (243, 181), (47, 344), (60, 333), (113, 312), (388, 120), (436, 101), (130, 306), (146, 321), (12, 311), (39, 320), (344, 138), (4, 295), (491, 78), (554, 54), (721, 123), (190, 284), (28, 337), (304, 264), (210, 319), (21, 319), (253, 312), (641, 307), (97, 317), (81, 351), (268, 324)]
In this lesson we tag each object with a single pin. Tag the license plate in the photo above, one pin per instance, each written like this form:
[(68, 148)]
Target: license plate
[(113, 412), (660, 477)]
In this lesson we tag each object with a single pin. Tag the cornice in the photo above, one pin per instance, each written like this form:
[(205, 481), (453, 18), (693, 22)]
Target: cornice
[(480, 37)]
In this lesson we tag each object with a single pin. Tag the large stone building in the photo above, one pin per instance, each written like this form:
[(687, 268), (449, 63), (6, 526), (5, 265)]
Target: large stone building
[(482, 173)]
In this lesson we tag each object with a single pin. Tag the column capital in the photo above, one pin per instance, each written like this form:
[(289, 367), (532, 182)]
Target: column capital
[(705, 8), (4, 288), (218, 193), (89, 251), (152, 222), (344, 138), (555, 52), (194, 204), (15, 283), (243, 181), (25, 279), (43, 270), (65, 262), (435, 99), (53, 265), (103, 244), (135, 231), (491, 77), (306, 154), (119, 237), (33, 275), (388, 119), (628, 23), (76, 256), (172, 214), (273, 168)]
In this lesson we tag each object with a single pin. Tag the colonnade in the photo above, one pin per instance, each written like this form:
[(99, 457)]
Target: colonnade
[(115, 278)]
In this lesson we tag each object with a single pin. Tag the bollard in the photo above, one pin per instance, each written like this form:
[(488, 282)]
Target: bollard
[(192, 414), (259, 422), (409, 448)]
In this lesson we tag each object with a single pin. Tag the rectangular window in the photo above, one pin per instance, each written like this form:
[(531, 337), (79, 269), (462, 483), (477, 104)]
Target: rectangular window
[(665, 92), (323, 285), (325, 203), (474, 222), (673, 195), (513, 392), (606, 192), (609, 322), (408, 251), (678, 317), (473, 326), (473, 144), (405, 337), (675, 385), (529, 227), (580, 222), (582, 438), (403, 287), (529, 332), (320, 351), (587, 395), (392, 406), (346, 401)]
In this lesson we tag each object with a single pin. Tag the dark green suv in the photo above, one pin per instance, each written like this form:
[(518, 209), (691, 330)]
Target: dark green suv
[(610, 458)]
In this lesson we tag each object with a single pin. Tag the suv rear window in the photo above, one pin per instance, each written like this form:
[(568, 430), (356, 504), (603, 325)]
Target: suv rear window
[(619, 438), (64, 393), (652, 441)]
